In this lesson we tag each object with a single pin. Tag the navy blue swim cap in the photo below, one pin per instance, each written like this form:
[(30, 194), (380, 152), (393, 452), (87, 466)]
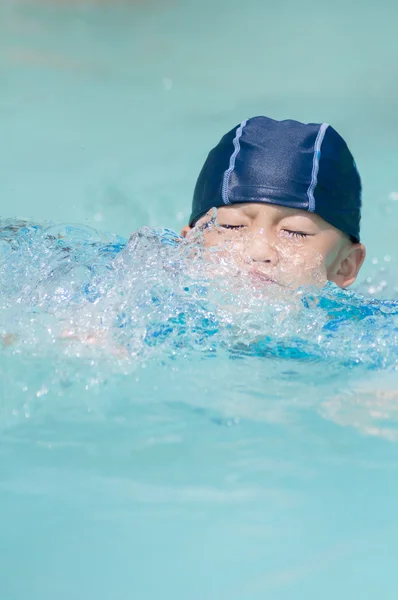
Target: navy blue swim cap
[(307, 167)]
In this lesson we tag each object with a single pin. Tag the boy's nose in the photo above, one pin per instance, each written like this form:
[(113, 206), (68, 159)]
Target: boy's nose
[(259, 249)]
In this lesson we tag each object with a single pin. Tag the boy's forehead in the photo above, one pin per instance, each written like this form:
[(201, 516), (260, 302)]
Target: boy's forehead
[(254, 208)]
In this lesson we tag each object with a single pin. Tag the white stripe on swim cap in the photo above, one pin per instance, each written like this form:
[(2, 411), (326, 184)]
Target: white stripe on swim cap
[(315, 166), (227, 173)]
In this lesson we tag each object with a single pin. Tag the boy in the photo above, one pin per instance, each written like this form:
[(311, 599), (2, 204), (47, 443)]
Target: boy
[(288, 200)]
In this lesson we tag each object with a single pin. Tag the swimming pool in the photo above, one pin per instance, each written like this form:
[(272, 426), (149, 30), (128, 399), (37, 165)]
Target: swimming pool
[(213, 472)]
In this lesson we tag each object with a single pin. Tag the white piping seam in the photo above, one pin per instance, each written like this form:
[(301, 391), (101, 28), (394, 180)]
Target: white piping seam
[(315, 166), (227, 173)]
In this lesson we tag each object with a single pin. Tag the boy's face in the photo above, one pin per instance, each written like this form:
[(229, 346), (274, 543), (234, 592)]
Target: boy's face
[(280, 245)]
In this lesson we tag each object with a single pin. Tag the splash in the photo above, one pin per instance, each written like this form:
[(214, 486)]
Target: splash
[(83, 313), (157, 295)]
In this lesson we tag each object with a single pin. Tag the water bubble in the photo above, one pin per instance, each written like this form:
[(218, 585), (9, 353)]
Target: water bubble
[(42, 391)]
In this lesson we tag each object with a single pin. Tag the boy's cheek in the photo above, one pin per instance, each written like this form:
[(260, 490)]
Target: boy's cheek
[(222, 239), (210, 239), (303, 266)]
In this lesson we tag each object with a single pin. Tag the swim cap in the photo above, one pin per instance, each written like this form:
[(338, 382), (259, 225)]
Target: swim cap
[(302, 166)]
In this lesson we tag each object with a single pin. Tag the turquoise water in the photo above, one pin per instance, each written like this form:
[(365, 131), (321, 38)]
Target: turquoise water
[(152, 445)]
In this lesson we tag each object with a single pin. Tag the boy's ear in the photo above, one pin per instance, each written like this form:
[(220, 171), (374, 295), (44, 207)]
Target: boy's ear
[(185, 230), (350, 265)]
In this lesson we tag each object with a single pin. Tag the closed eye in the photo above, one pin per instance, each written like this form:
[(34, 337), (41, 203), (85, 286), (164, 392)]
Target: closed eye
[(296, 234), (226, 226)]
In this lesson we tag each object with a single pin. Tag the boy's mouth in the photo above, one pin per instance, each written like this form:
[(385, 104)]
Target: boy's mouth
[(259, 276)]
